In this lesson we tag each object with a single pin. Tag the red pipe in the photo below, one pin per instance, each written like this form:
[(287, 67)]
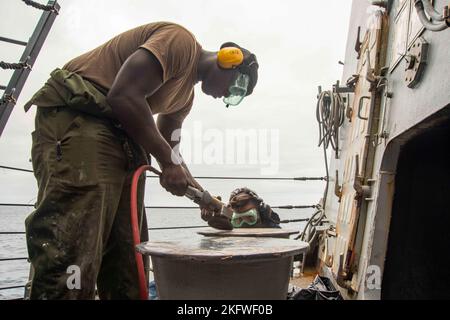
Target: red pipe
[(143, 288)]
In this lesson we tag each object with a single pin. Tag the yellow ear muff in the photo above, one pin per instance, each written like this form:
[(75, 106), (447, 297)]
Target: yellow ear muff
[(230, 57)]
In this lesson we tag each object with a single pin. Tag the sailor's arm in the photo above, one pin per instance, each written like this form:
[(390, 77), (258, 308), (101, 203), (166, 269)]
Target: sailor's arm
[(167, 125), (140, 76)]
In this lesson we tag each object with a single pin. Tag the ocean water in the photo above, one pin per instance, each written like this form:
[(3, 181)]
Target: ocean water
[(15, 273)]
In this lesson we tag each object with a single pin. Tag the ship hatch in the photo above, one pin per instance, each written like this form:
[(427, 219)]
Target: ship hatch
[(418, 261)]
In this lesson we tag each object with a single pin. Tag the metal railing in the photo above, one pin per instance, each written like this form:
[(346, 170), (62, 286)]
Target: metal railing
[(286, 207), (213, 177)]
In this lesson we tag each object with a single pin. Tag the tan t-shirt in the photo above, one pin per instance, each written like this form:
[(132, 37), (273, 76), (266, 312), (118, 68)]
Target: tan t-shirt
[(174, 47)]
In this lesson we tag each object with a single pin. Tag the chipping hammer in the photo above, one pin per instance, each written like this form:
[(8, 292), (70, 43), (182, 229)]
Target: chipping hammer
[(221, 217)]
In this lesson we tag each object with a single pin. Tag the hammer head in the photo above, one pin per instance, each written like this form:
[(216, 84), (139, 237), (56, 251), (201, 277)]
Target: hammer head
[(221, 218), (220, 222)]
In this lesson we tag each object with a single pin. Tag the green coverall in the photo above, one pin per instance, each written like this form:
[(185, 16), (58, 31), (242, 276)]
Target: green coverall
[(83, 163)]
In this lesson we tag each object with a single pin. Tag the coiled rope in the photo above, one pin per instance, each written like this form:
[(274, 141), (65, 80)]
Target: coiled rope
[(330, 114), (309, 232)]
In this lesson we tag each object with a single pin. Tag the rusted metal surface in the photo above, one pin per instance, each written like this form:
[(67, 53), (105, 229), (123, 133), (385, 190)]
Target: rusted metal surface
[(356, 156), (416, 59), (249, 232), (223, 268)]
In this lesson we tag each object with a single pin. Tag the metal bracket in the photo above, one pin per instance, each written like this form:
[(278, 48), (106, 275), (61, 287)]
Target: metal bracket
[(370, 73), (338, 89), (349, 113), (351, 82), (360, 104), (382, 3), (331, 231), (8, 98), (416, 61), (361, 189), (358, 43)]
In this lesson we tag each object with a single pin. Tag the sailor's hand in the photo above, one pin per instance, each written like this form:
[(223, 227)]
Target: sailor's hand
[(174, 179), (207, 212)]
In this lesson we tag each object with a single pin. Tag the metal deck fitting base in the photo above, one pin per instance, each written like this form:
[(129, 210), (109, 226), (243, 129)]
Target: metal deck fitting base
[(223, 268)]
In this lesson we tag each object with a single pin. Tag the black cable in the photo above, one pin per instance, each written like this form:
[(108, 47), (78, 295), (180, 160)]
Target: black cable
[(287, 207), (39, 6), (171, 228), (14, 66), (315, 220), (11, 232), (12, 287), (13, 259), (17, 169), (314, 206), (257, 178), (295, 220), (16, 205), (214, 177)]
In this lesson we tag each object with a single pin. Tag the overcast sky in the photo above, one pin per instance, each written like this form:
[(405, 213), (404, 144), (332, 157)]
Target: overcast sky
[(298, 45)]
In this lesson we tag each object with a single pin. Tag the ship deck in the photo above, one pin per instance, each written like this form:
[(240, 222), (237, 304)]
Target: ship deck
[(304, 280)]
